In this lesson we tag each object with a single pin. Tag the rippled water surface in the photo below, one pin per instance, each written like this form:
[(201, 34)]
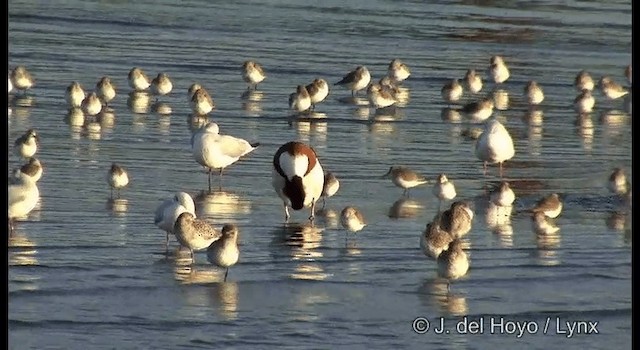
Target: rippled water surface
[(89, 272)]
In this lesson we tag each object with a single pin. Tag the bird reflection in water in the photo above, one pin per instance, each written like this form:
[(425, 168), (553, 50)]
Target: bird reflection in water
[(161, 108), (251, 102), (303, 240), (434, 291), (221, 204), (547, 252), (225, 299), (329, 217), (139, 102), (118, 207), (22, 250), (404, 208), (498, 221)]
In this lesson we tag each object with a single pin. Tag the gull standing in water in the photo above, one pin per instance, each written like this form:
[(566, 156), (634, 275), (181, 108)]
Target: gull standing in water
[(356, 80), (117, 178), (224, 252), (404, 178), (167, 213), (215, 151), (252, 74), (297, 177), (23, 195), (494, 145), (352, 219), (194, 234), (138, 79)]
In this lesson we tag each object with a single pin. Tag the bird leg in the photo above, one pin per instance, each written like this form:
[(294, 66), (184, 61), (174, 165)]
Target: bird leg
[(485, 168), (286, 213), (111, 192), (193, 257), (324, 202), (501, 170), (313, 208), (225, 274), (166, 243), (209, 180)]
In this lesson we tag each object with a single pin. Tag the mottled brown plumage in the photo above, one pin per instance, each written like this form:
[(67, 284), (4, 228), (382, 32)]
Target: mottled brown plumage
[(194, 234)]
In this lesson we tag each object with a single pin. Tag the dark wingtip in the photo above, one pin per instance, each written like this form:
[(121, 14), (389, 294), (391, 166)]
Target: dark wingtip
[(255, 144)]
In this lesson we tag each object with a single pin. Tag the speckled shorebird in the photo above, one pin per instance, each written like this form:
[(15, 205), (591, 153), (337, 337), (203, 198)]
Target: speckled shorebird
[(498, 70), (106, 90), (479, 111), (434, 240), (356, 80), (318, 90), (473, 81), (404, 178), (22, 79), (584, 102), (352, 219), (26, 145), (168, 211), (533, 93), (297, 177), (456, 220), (584, 81), (138, 79), (379, 97), (224, 252), (398, 71), (91, 105), (161, 85), (330, 187), (541, 225), (611, 89), (194, 234), (453, 263), (74, 94), (33, 169), (252, 74), (550, 205), (300, 101), (452, 91), (618, 183), (503, 195), (117, 178), (494, 145), (201, 102), (443, 189)]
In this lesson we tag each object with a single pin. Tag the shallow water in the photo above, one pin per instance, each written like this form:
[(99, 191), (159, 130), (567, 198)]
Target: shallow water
[(88, 271)]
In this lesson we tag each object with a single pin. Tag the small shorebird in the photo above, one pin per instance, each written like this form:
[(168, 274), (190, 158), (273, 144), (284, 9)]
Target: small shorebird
[(456, 220), (300, 101), (224, 252), (550, 205), (74, 94), (494, 145), (404, 178), (503, 195), (533, 93), (27, 144), (21, 79), (215, 151), (443, 189), (498, 70), (168, 211), (297, 177), (541, 225), (479, 111), (91, 105), (194, 234), (473, 81), (611, 89), (352, 219), (161, 85), (106, 90), (201, 102), (434, 240), (138, 79), (318, 90), (252, 74), (22, 197), (584, 102), (356, 80), (33, 169), (618, 182), (398, 71), (330, 187), (452, 91), (379, 97), (117, 178), (583, 81), (453, 263), (192, 89)]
